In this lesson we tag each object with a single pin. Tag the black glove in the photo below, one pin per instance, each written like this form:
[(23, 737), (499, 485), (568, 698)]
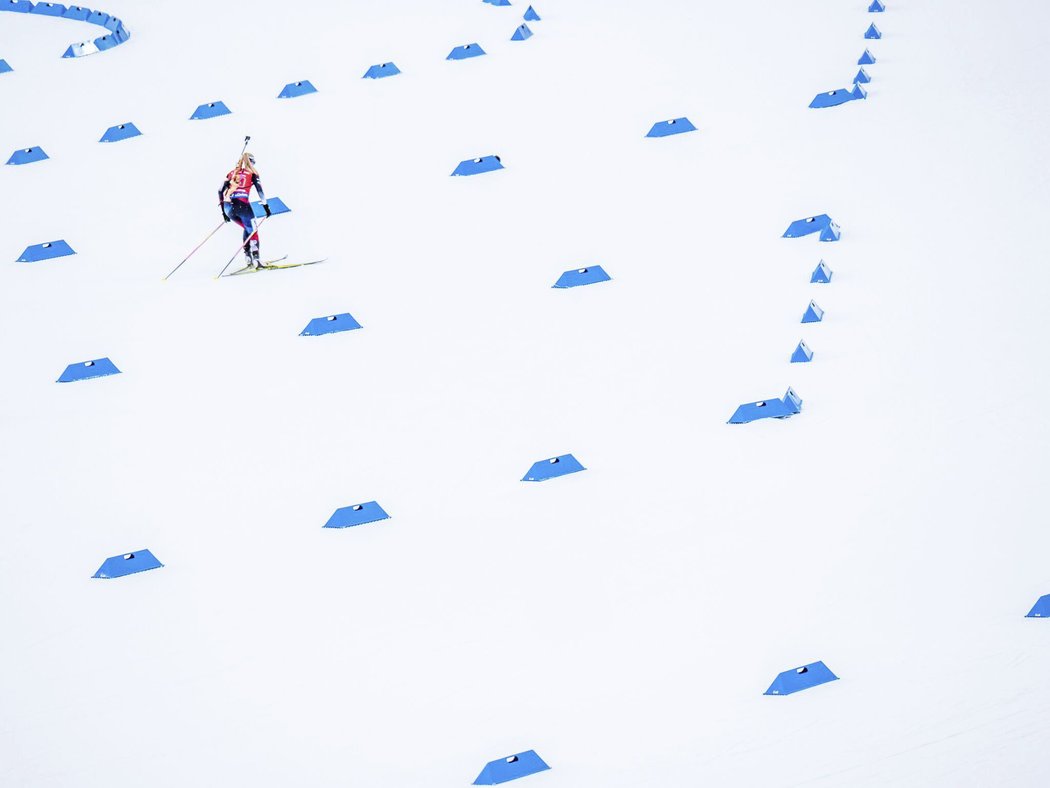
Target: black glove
[(266, 208), (222, 208)]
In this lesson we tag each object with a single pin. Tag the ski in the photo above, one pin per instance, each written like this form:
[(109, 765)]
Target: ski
[(272, 267), (263, 264), (297, 265)]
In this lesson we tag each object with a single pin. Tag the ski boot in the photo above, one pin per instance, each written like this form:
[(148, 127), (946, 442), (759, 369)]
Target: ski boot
[(254, 255)]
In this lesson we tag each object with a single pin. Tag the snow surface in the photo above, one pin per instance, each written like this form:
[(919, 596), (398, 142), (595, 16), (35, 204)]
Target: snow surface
[(623, 621)]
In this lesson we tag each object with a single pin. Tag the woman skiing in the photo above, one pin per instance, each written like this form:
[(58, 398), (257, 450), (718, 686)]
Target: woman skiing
[(236, 207)]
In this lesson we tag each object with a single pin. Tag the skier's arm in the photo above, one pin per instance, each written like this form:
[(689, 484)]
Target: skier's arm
[(222, 199), (262, 195)]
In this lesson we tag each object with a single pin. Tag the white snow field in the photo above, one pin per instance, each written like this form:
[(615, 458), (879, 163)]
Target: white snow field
[(625, 621)]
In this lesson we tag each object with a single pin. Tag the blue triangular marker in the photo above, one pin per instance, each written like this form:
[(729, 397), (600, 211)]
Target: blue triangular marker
[(276, 206), (27, 155), (866, 59), (48, 9), (478, 166), (521, 33), (497, 2), (582, 276), (1041, 608), (665, 128), (18, 6), (554, 467), (862, 77), (831, 98), (211, 110), (296, 89), (798, 679), (465, 51), (332, 324), (807, 226), (127, 564), (531, 15), (122, 132), (45, 251), (4, 68), (876, 7), (99, 18), (813, 314), (821, 274), (859, 92), (380, 70), (802, 354), (86, 370), (872, 32), (79, 50), (790, 405), (358, 514), (831, 232), (77, 12), (512, 767)]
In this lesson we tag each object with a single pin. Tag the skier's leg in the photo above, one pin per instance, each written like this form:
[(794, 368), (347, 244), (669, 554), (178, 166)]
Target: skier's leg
[(241, 212), (251, 234)]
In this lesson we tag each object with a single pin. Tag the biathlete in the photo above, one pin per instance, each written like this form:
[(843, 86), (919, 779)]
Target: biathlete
[(236, 206)]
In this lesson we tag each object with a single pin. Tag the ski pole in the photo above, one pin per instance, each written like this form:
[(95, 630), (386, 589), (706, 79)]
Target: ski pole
[(195, 248), (246, 138), (240, 248)]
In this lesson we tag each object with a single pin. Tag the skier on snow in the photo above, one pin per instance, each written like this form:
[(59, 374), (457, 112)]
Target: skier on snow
[(236, 207)]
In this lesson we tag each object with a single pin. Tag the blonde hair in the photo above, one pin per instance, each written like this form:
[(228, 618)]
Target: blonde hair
[(245, 163)]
